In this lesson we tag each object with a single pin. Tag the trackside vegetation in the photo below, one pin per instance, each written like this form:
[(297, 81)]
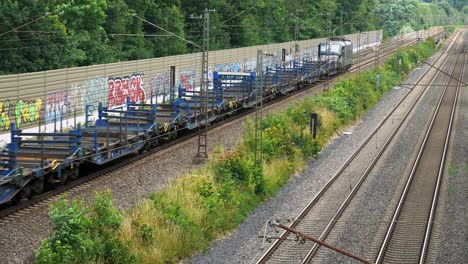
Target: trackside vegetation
[(210, 202)]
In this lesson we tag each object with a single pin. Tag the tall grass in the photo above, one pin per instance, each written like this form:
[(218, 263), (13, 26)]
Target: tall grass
[(208, 203)]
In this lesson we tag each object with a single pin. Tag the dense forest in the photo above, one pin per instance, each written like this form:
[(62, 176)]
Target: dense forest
[(50, 34)]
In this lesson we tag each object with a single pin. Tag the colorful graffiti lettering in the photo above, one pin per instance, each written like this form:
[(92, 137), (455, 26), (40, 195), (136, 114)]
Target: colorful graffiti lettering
[(94, 91), (74, 95), (160, 84), (5, 115), (187, 79), (121, 88), (210, 78), (56, 106), (249, 65), (228, 67), (27, 111)]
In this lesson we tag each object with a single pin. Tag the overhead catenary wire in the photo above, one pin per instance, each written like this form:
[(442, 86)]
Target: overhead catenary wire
[(167, 31), (25, 24)]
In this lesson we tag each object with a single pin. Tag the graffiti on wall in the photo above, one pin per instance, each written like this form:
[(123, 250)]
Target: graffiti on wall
[(74, 96), (249, 65), (129, 86), (160, 84), (56, 106), (187, 79), (27, 111), (228, 67), (5, 115), (310, 53), (94, 91), (24, 112)]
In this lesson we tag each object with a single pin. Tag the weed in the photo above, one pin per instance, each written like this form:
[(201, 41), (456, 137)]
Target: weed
[(453, 168)]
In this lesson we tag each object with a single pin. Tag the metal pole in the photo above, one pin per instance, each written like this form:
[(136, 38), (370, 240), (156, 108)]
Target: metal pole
[(342, 26), (359, 50), (259, 110), (203, 126)]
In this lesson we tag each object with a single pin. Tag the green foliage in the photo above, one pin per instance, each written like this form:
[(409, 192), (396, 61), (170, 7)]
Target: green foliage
[(453, 168), (84, 234)]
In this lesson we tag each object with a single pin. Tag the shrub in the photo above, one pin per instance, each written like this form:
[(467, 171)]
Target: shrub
[(84, 234)]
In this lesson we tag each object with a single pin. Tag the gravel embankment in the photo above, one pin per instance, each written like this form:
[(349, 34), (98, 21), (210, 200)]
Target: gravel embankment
[(363, 224), (243, 246), (452, 216)]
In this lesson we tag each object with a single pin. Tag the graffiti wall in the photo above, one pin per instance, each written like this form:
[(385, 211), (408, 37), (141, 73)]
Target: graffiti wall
[(228, 67), (5, 115), (160, 84), (56, 106), (129, 86), (246, 65), (74, 96), (22, 112), (27, 111), (94, 91), (187, 79)]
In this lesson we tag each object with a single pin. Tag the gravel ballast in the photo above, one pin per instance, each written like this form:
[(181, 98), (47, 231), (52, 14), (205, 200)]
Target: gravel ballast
[(452, 213), (243, 246)]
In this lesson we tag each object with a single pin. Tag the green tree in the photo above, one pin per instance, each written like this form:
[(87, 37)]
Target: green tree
[(395, 14), (87, 39), (34, 47)]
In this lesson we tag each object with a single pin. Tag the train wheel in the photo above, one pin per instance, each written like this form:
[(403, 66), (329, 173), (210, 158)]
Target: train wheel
[(16, 199), (174, 133), (74, 173), (37, 186), (25, 192), (141, 150), (65, 177)]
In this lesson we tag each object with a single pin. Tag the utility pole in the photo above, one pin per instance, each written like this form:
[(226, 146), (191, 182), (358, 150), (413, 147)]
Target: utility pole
[(328, 49), (358, 51), (342, 26), (296, 37), (203, 118), (259, 110)]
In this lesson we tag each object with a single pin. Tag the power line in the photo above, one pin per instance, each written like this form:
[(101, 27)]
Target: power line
[(30, 22), (167, 31), (137, 35)]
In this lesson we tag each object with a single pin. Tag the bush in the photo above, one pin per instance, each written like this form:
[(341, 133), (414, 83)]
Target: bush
[(84, 234)]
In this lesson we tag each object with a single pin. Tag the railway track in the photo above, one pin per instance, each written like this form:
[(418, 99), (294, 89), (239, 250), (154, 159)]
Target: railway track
[(321, 214), (368, 59), (409, 232)]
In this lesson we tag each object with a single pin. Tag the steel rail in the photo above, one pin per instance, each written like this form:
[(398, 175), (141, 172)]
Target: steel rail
[(348, 199), (439, 175), (304, 212), (405, 191)]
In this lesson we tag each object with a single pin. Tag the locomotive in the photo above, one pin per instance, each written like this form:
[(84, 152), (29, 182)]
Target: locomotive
[(339, 54), (32, 161)]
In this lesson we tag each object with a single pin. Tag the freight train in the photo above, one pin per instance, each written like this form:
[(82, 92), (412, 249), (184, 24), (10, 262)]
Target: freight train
[(33, 161)]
